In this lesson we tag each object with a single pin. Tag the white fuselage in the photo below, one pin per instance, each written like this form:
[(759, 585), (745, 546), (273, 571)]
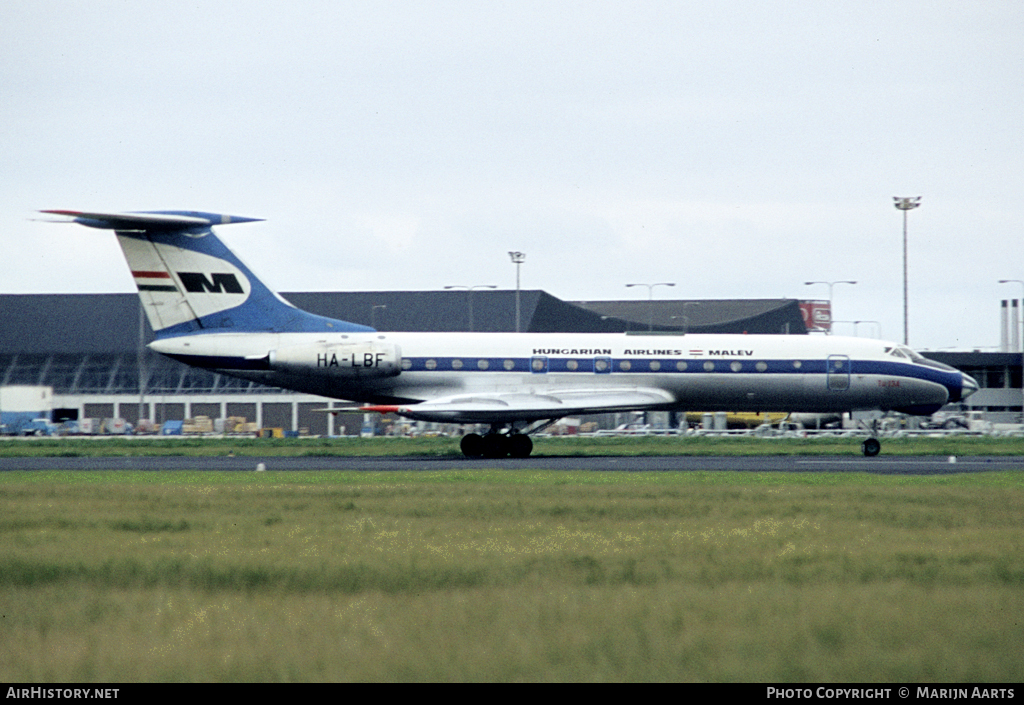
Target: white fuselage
[(695, 372)]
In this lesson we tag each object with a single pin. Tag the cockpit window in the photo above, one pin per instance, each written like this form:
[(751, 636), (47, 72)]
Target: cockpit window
[(910, 353), (916, 357)]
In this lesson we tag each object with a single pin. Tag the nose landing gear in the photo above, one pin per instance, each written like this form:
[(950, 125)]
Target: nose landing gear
[(870, 447)]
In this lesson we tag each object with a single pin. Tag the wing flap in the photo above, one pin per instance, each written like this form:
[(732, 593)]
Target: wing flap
[(508, 406)]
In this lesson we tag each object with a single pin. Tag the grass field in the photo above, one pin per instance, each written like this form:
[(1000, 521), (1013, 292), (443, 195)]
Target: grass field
[(504, 576)]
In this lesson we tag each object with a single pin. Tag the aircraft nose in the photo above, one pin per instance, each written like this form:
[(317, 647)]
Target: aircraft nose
[(968, 386)]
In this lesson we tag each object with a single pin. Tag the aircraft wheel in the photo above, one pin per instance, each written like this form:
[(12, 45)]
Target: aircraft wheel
[(472, 445), (871, 447), (520, 445), (495, 445)]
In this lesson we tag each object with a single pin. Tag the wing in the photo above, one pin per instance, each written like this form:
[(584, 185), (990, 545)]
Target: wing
[(503, 407)]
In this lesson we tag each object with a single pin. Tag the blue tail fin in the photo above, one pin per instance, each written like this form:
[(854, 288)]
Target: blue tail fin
[(190, 282)]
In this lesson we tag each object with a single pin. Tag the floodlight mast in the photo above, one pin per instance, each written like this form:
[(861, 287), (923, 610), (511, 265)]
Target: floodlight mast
[(517, 259), (905, 204)]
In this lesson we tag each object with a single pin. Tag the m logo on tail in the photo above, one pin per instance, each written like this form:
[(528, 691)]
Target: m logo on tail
[(180, 286), (197, 283)]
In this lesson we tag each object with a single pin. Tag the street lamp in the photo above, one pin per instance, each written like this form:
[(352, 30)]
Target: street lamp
[(686, 322), (853, 323), (373, 314), (517, 259), (142, 368), (650, 298), (469, 294), (830, 285), (686, 319), (905, 204), (1018, 281), (877, 323)]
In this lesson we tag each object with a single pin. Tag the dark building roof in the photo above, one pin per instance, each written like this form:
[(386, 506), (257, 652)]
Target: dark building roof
[(69, 323), (423, 311), (754, 316), (976, 359), (109, 323)]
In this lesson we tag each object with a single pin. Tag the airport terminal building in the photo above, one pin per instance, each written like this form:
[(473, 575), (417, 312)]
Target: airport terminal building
[(90, 348)]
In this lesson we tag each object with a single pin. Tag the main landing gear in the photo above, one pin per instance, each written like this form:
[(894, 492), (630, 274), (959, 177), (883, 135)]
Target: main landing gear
[(498, 443)]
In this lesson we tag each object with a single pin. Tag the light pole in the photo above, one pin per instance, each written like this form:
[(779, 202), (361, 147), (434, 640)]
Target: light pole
[(853, 323), (650, 298), (877, 323), (905, 204), (1018, 281), (142, 367), (686, 322), (686, 319), (469, 294), (517, 259), (830, 285), (373, 314)]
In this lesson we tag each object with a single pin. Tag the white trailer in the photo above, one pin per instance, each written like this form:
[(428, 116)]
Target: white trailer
[(25, 409)]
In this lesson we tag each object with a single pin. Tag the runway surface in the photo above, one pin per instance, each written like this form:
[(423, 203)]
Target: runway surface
[(894, 465)]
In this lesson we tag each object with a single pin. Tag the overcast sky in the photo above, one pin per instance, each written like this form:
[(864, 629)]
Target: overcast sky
[(737, 149)]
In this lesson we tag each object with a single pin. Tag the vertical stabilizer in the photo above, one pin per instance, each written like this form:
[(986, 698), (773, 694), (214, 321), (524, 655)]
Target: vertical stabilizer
[(190, 282)]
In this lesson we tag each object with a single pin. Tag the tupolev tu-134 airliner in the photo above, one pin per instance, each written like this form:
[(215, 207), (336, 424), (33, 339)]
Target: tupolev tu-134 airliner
[(209, 310)]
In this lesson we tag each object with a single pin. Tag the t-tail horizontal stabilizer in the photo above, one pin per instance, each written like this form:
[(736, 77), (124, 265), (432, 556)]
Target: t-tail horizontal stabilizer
[(190, 282), (156, 220)]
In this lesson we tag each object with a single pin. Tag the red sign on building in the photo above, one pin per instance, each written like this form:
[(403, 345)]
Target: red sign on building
[(817, 315)]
